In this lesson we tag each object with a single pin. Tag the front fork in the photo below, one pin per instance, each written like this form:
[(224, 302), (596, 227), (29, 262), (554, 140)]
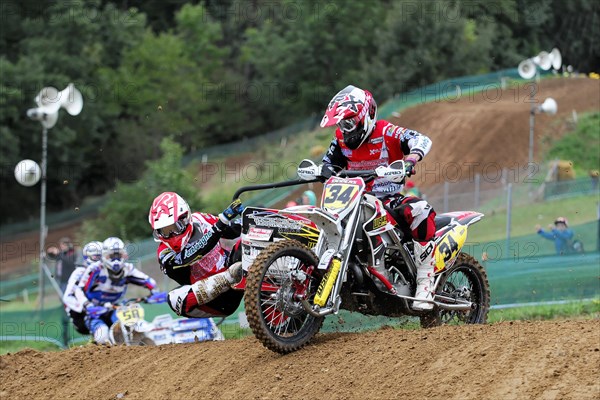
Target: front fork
[(331, 284)]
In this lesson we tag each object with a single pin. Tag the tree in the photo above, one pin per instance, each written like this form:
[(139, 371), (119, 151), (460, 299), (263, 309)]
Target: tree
[(309, 53), (421, 43), (125, 213), (61, 42)]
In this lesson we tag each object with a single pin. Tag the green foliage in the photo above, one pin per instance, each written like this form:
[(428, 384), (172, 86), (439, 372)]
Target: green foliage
[(51, 45), (425, 42), (581, 145), (211, 72), (13, 346), (318, 54), (126, 211), (525, 217), (589, 309)]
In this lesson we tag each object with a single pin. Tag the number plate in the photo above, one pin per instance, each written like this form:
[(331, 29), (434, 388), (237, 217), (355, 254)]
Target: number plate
[(130, 314), (449, 247), (339, 193)]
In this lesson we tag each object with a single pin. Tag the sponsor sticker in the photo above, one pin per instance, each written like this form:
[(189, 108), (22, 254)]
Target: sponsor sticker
[(256, 233)]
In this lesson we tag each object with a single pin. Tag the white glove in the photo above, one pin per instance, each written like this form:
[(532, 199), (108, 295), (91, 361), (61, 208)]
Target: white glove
[(391, 174)]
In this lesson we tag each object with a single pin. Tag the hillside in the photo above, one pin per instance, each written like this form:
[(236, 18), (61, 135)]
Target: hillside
[(484, 132), (520, 360), (489, 130), (481, 132)]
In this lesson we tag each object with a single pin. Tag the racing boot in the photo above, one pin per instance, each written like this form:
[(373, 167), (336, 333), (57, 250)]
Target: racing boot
[(208, 289), (425, 264), (236, 272)]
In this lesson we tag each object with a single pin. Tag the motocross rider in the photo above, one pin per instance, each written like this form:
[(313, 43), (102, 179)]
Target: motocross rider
[(104, 283), (362, 142), (191, 253), (74, 299)]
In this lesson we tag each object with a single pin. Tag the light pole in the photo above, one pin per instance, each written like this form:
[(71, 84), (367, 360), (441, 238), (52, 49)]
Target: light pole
[(549, 106), (49, 102)]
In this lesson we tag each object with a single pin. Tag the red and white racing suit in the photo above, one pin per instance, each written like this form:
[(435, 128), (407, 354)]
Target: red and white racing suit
[(201, 258), (386, 144)]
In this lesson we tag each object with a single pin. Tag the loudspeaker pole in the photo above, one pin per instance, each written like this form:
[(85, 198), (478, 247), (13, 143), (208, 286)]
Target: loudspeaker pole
[(49, 101), (43, 219)]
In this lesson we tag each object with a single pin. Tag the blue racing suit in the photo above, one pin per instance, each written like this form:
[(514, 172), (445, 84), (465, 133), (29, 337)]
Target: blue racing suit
[(102, 289)]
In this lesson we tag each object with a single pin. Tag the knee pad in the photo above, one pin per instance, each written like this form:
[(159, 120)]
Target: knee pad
[(101, 334), (177, 299)]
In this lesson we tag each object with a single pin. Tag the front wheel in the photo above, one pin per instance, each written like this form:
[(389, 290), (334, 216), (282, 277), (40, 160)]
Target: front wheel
[(279, 278), (128, 336), (465, 280)]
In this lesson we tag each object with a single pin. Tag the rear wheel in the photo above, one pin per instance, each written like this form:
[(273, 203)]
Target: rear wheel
[(466, 280), (280, 276)]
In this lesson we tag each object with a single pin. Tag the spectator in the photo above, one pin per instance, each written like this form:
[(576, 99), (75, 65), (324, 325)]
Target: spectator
[(560, 233), (65, 261), (309, 198)]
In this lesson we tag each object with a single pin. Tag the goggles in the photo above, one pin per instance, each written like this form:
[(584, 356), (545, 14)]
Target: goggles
[(173, 230), (348, 125), (115, 256), (94, 257)]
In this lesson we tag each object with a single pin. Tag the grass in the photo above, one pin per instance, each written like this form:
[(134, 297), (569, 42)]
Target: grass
[(13, 346), (524, 218), (585, 136), (579, 309), (279, 164)]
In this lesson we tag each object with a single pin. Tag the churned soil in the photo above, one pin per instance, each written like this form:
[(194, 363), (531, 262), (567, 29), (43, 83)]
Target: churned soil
[(508, 360)]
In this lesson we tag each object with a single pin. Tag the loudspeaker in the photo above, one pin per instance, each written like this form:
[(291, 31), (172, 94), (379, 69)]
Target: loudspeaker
[(527, 69), (48, 119), (556, 58), (51, 100), (543, 60), (549, 106)]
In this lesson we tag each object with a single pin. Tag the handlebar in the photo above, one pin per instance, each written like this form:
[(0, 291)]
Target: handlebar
[(369, 173), (358, 173), (126, 302), (292, 182)]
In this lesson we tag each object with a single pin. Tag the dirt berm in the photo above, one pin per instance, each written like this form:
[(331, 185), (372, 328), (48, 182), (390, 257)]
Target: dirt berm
[(520, 360)]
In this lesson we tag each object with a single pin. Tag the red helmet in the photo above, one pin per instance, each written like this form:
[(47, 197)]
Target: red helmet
[(170, 217), (354, 111)]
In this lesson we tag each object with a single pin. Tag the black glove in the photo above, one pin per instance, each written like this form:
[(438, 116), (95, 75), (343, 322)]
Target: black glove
[(409, 164), (327, 172), (234, 209)]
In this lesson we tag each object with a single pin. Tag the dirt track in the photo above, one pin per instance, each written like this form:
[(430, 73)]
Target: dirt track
[(489, 130), (520, 360)]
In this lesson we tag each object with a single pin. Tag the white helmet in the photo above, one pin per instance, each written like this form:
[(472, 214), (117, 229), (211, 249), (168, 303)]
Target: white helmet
[(92, 252), (170, 217), (354, 111), (114, 255)]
